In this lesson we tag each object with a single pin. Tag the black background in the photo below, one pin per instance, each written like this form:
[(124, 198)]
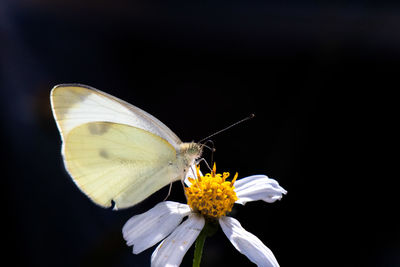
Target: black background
[(320, 77)]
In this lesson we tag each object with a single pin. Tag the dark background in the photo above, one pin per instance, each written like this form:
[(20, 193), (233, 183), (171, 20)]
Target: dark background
[(320, 76)]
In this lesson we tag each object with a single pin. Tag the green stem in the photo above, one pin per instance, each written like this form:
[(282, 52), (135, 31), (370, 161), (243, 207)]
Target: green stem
[(210, 228), (198, 249)]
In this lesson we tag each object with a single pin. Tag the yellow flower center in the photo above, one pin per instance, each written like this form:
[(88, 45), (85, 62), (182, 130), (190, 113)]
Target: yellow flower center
[(211, 195)]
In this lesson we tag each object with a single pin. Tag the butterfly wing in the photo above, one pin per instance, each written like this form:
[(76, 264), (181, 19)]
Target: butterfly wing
[(110, 161), (75, 104), (113, 150)]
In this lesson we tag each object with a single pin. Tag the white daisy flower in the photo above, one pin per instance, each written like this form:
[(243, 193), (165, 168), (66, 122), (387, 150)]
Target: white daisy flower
[(209, 197)]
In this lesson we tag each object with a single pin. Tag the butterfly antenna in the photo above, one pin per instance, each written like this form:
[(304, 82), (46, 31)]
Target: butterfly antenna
[(228, 127)]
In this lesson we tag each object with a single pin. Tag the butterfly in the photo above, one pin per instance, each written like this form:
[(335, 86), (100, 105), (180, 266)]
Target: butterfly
[(116, 153)]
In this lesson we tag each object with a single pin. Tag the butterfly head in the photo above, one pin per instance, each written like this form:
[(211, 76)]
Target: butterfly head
[(190, 152)]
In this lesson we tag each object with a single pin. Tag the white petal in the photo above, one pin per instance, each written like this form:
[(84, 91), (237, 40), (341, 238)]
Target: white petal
[(192, 174), (258, 187), (171, 251), (247, 243), (146, 229)]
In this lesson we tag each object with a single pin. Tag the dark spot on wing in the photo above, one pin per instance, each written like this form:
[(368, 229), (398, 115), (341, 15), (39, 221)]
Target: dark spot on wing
[(104, 154), (83, 94), (98, 128)]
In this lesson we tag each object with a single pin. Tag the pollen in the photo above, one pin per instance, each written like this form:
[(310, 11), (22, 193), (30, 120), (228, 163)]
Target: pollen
[(211, 195)]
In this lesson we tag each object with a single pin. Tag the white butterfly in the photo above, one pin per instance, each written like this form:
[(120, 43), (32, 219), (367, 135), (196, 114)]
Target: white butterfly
[(115, 151)]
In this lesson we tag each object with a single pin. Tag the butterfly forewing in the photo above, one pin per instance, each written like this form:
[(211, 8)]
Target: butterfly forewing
[(75, 104)]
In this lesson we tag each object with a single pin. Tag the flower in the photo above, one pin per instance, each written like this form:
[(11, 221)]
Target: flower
[(210, 197)]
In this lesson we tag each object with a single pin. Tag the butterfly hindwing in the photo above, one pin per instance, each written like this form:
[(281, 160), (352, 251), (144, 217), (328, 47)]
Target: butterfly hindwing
[(119, 162)]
